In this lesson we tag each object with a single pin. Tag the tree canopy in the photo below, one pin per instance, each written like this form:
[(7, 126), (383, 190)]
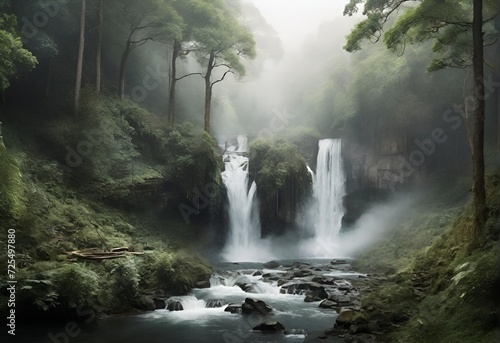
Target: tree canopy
[(448, 23), (12, 53)]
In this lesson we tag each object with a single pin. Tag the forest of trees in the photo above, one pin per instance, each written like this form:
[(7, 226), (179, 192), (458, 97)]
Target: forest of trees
[(112, 111)]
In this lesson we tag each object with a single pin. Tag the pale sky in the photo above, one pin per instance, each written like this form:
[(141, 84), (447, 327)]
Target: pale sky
[(296, 19)]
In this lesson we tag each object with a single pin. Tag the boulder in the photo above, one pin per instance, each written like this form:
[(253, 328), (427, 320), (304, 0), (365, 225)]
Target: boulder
[(215, 303), (160, 304), (175, 306), (245, 287), (302, 273), (257, 273), (145, 303), (300, 286), (337, 262), (270, 325), (233, 308), (340, 298), (324, 280), (253, 305), (328, 304), (271, 265), (316, 295)]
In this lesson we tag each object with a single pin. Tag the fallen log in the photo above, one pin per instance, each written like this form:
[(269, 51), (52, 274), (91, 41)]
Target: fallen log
[(99, 254)]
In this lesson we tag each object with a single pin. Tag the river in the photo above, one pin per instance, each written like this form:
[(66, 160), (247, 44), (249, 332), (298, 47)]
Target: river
[(197, 323)]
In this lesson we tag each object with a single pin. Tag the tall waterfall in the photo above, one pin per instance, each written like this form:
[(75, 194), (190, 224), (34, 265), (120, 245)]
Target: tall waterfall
[(244, 230), (329, 189)]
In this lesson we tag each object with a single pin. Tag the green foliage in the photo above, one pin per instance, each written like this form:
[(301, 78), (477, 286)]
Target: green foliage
[(120, 284), (305, 140), (193, 160), (459, 300), (178, 272), (12, 53), (274, 164), (226, 39), (447, 23), (75, 284), (40, 293), (11, 190)]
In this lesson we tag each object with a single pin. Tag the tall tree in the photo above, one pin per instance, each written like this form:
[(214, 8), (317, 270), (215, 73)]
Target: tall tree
[(99, 47), (144, 21), (221, 48), (479, 188), (459, 39), (79, 62)]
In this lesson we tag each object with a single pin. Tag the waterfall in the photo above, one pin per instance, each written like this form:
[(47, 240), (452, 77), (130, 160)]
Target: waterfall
[(244, 226), (329, 189)]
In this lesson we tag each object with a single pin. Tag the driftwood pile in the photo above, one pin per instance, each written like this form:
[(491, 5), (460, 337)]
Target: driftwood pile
[(99, 254)]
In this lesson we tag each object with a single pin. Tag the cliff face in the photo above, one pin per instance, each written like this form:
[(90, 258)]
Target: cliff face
[(384, 167)]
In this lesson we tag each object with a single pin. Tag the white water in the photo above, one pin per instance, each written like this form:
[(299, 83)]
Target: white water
[(326, 212), (243, 242)]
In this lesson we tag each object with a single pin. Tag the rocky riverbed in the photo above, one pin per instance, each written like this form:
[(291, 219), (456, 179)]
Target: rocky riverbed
[(333, 285)]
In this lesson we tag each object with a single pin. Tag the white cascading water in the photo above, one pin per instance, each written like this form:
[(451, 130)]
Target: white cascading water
[(244, 226), (329, 189)]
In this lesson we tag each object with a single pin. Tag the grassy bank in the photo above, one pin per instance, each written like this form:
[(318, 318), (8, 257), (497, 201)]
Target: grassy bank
[(436, 288), (111, 177)]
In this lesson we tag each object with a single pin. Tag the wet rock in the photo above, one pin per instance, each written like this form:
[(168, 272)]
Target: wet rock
[(324, 280), (302, 273), (233, 308), (270, 325), (257, 273), (175, 306), (271, 277), (328, 304), (301, 285), (340, 299), (282, 281), (145, 303), (253, 305), (316, 295), (300, 265), (336, 262), (160, 304), (215, 303), (345, 287), (271, 265)]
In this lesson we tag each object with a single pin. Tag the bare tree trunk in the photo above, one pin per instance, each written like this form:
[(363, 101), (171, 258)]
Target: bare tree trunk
[(478, 169), (173, 82), (79, 63), (123, 65), (497, 74), (208, 91), (99, 48), (49, 77)]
